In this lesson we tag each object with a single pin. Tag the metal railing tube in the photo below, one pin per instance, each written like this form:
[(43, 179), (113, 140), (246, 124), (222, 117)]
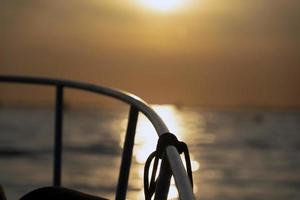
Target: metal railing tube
[(163, 182), (176, 165), (126, 97), (58, 136), (181, 179), (127, 154)]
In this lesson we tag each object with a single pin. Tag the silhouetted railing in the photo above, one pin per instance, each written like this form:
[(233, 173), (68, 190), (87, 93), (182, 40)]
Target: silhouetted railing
[(172, 166)]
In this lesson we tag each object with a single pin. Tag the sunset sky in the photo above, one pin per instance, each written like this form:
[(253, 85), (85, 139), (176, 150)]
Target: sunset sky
[(194, 52)]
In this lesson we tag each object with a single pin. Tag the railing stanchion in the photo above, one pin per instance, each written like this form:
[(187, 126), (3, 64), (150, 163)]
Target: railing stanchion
[(127, 154), (58, 136), (164, 178)]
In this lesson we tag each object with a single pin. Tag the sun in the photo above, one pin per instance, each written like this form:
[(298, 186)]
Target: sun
[(162, 5)]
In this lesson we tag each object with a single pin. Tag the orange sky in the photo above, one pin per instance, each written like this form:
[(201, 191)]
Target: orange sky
[(207, 53)]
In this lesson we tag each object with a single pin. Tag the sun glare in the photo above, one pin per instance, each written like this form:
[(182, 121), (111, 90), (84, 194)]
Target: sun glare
[(162, 5)]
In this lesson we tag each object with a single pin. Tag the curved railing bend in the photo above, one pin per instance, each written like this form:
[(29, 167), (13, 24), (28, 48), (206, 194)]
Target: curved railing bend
[(136, 105)]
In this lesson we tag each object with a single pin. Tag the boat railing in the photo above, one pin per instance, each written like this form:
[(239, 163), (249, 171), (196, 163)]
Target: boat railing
[(171, 163)]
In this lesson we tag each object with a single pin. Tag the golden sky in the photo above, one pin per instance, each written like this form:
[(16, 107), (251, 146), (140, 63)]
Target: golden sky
[(206, 52)]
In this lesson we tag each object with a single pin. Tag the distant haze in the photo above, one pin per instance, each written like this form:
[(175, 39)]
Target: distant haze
[(209, 53)]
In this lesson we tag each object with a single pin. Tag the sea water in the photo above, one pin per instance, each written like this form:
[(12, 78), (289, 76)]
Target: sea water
[(236, 154)]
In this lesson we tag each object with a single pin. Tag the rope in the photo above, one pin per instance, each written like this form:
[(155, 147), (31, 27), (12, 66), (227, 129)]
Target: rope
[(166, 139)]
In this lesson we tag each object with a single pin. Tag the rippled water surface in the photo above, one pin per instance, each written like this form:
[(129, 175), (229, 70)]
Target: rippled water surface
[(236, 154)]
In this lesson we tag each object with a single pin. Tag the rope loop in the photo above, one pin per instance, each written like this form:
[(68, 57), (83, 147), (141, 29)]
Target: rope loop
[(165, 140)]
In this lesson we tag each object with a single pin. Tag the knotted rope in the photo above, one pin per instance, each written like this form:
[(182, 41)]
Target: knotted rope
[(166, 139)]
